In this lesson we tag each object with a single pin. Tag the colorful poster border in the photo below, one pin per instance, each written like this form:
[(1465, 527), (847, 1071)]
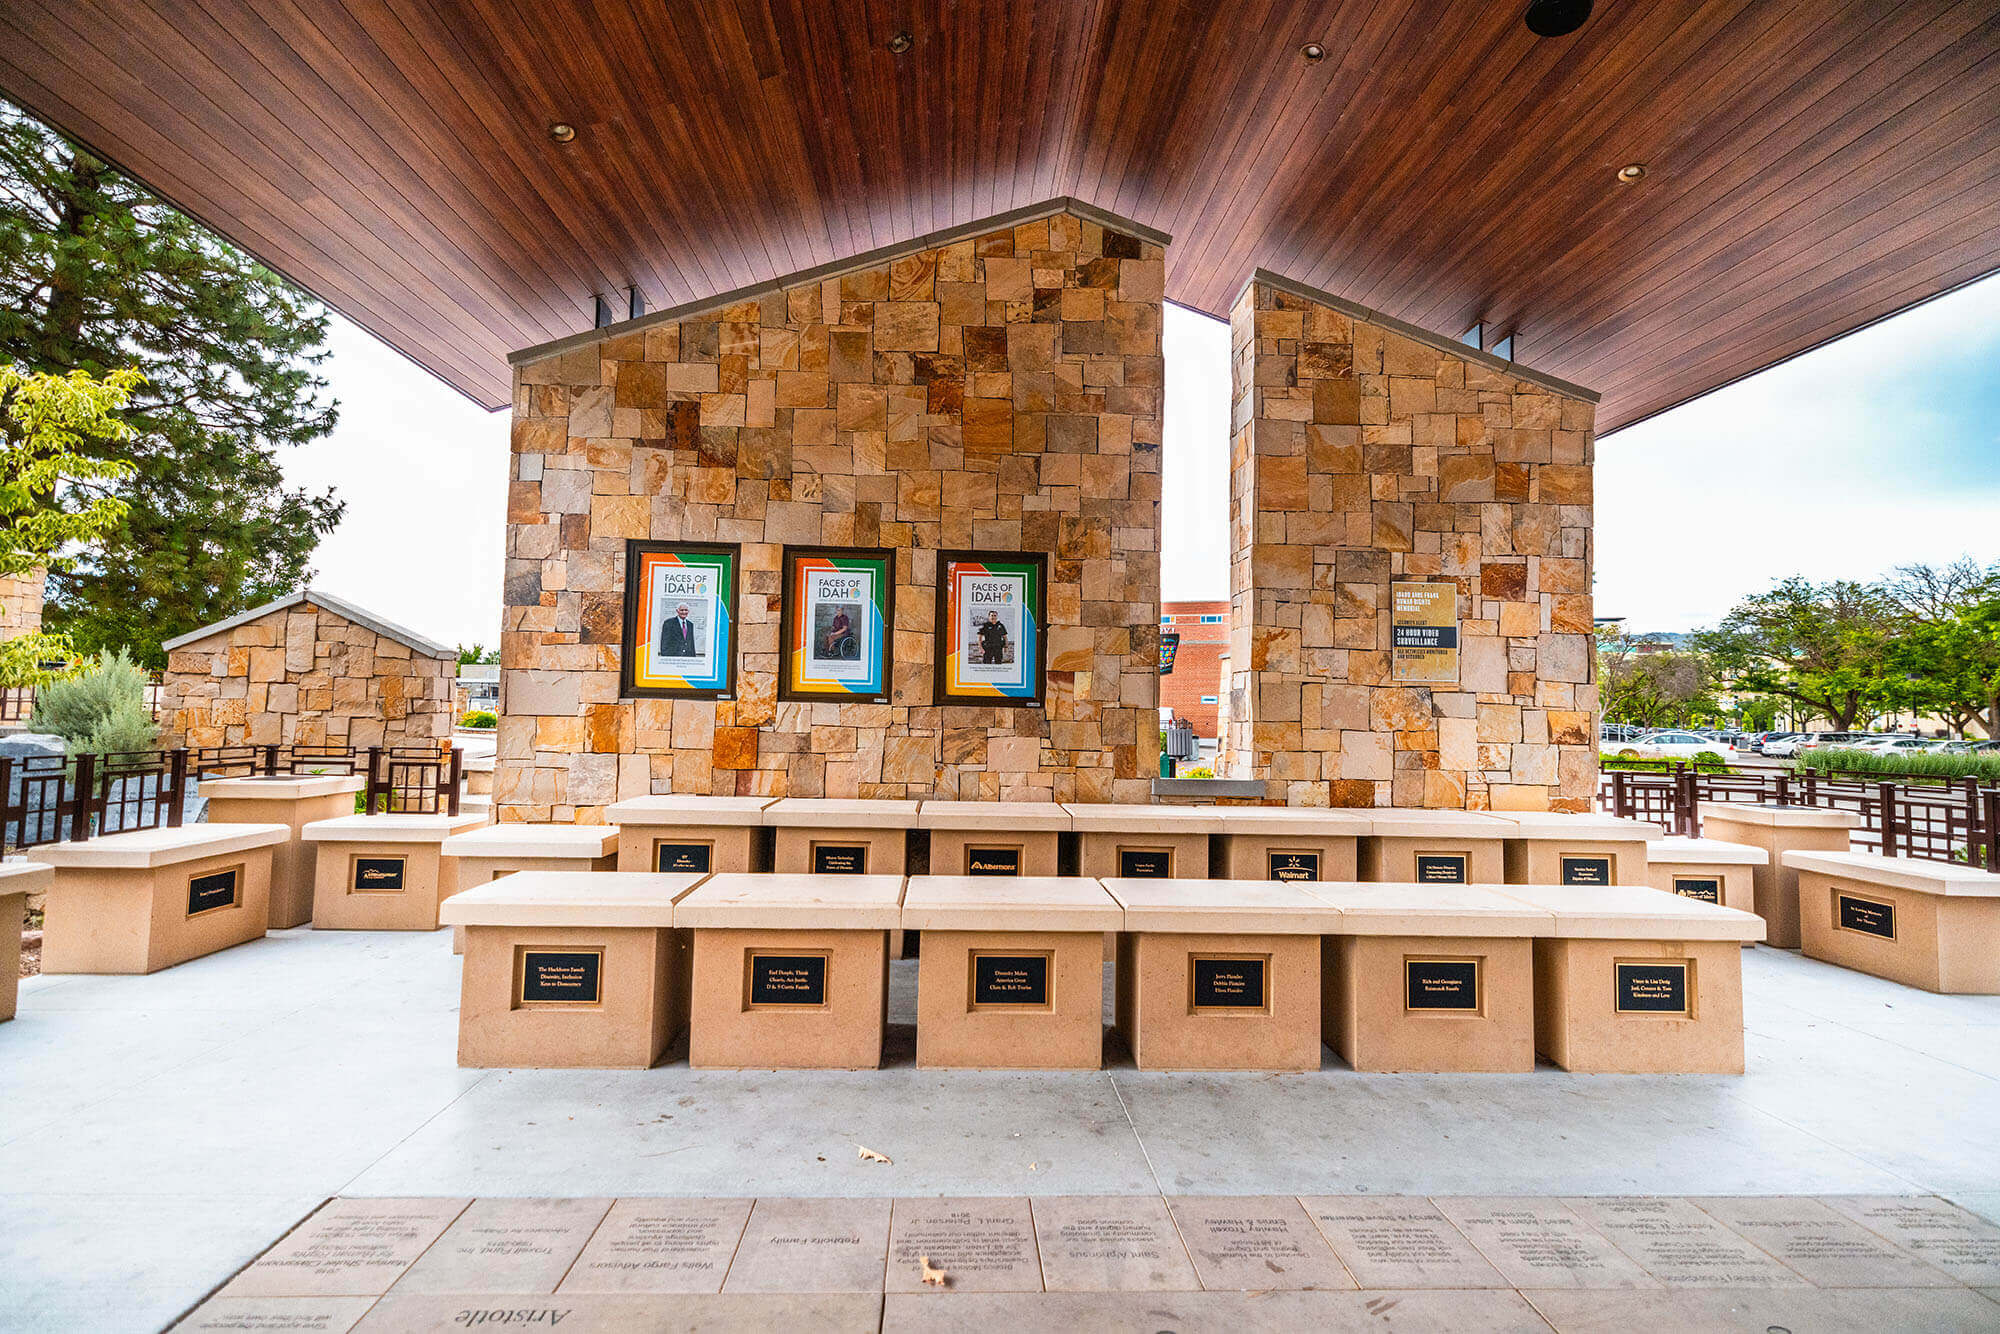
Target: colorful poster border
[(641, 558), (881, 613), (1033, 564)]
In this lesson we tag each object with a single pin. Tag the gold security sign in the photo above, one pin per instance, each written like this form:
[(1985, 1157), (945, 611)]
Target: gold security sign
[(1423, 628)]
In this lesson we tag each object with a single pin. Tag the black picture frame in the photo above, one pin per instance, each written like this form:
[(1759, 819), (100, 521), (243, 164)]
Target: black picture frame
[(942, 626), (637, 552), (789, 611)]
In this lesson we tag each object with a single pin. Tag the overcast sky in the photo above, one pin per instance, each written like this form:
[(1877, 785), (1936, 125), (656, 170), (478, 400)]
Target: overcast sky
[(1878, 450)]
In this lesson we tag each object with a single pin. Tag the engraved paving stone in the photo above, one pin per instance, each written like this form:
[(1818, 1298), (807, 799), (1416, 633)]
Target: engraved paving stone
[(676, 1245), (1682, 1246), (1960, 1243), (1256, 1242), (1830, 1250), (982, 1245), (1110, 1243), (812, 1246), (276, 1315), (622, 1313), (507, 1245), (1538, 1243), (1399, 1242), (351, 1247)]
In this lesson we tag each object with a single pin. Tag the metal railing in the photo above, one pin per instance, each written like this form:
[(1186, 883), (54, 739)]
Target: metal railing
[(409, 779), (58, 798)]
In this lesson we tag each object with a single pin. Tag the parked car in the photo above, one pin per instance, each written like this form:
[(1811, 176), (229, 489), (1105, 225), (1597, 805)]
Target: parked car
[(1784, 745), (1612, 732), (1899, 745), (1675, 745), (1816, 740)]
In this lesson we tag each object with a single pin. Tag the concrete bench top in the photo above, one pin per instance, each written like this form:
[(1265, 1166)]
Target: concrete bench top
[(1137, 818), (1253, 907), (570, 898), (164, 847), (1704, 851), (23, 877), (840, 813), (391, 828), (1407, 822), (1295, 821), (477, 764), (534, 840), (281, 787), (678, 809), (1008, 903), (795, 902), (1911, 873), (996, 816), (1577, 828), (1393, 909), (1794, 817), (1633, 912)]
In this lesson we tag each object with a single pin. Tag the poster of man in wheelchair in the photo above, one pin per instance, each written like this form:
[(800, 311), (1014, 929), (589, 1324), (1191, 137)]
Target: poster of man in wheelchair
[(836, 632)]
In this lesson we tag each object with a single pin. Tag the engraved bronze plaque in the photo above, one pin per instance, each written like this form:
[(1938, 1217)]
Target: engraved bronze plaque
[(840, 859), (1586, 870), (788, 979), (1010, 979), (378, 875), (682, 856), (1146, 863), (1705, 888), (1652, 988), (1441, 984), (217, 889), (1440, 868), (1226, 984), (1294, 865), (1867, 916), (993, 861), (560, 977)]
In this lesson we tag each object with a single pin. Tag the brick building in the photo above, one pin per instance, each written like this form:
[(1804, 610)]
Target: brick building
[(1194, 689)]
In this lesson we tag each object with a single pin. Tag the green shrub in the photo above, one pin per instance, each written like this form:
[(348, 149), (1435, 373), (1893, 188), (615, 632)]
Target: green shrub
[(480, 718), (101, 709), (1838, 760), (1705, 763)]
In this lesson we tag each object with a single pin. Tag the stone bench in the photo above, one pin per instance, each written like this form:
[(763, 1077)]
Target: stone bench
[(497, 850), (1934, 925), (1777, 830), (145, 900), (292, 800), (1546, 848), (1631, 980), (478, 772), (567, 969), (384, 872), (692, 834), (1291, 843), (1405, 846), (1706, 869), (1430, 977), (1011, 975), (831, 836), (1139, 842), (790, 971), (994, 838), (1220, 974), (18, 879)]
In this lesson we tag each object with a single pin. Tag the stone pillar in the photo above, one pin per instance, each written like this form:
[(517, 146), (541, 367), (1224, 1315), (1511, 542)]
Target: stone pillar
[(1365, 452)]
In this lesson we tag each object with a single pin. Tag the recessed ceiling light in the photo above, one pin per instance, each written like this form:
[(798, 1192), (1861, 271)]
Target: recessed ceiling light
[(561, 131), (1556, 18), (1313, 52), (1631, 171), (900, 43)]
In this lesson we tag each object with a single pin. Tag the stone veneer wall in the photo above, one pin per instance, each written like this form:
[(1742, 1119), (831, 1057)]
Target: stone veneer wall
[(1362, 456), (21, 603), (1000, 391), (304, 674)]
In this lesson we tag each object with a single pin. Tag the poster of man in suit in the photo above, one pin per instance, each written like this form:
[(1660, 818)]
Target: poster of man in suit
[(683, 632)]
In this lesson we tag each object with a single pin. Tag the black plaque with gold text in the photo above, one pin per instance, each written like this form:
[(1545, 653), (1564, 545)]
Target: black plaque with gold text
[(1010, 979), (1867, 916), (1226, 984), (217, 889), (1652, 988), (560, 977), (788, 979), (840, 859), (682, 857), (1294, 865), (1705, 888), (1146, 863), (1586, 870), (993, 861), (1440, 868), (378, 875), (1441, 984)]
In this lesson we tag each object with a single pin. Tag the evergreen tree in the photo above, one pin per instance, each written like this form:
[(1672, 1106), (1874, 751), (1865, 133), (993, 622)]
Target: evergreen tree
[(98, 275)]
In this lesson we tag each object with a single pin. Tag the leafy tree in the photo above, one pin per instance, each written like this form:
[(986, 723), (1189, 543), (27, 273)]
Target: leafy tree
[(99, 275), (1823, 646), (472, 655), (1673, 688), (1944, 657)]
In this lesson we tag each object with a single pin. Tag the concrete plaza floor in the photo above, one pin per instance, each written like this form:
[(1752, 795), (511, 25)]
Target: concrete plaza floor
[(159, 1133)]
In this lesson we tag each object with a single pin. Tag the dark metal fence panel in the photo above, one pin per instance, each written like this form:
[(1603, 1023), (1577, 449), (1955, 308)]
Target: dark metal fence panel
[(51, 798), (413, 780)]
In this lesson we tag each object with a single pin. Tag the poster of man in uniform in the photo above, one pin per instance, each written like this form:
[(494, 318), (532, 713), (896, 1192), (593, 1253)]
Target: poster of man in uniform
[(680, 603), (838, 609), (989, 616), (1423, 627)]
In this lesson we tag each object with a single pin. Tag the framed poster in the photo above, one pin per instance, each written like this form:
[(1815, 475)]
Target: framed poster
[(838, 607), (1423, 630), (993, 646), (680, 621)]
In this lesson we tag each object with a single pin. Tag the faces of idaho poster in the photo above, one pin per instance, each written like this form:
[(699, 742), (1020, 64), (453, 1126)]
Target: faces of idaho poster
[(680, 620), (990, 617), (838, 608)]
